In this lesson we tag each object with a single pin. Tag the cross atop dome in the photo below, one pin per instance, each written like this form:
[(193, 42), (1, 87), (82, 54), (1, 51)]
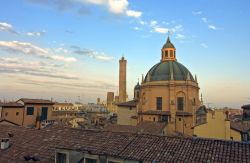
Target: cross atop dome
[(168, 51)]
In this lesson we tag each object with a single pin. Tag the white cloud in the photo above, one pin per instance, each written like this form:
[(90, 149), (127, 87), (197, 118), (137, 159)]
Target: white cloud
[(153, 23), (212, 27), (204, 19), (161, 30), (34, 68), (196, 12), (142, 22), (35, 34), (7, 27), (179, 36), (132, 13), (204, 45), (30, 49), (115, 7), (92, 54), (137, 28), (63, 59)]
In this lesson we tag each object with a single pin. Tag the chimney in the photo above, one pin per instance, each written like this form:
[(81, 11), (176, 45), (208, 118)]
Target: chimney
[(5, 143)]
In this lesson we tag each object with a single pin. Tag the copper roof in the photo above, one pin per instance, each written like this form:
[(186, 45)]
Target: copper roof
[(36, 101), (240, 126), (11, 105), (140, 147)]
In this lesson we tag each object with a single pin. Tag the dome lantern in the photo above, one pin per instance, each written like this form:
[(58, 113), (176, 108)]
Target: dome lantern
[(168, 51)]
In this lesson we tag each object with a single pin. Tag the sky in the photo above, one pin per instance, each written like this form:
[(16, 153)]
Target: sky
[(69, 50)]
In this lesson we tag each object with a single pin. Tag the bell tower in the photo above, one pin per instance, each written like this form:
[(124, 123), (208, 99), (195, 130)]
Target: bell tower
[(168, 51)]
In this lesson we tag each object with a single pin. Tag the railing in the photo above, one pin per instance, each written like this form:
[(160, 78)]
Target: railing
[(46, 123)]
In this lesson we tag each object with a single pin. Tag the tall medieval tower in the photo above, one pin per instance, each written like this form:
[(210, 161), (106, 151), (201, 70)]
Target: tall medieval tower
[(122, 80)]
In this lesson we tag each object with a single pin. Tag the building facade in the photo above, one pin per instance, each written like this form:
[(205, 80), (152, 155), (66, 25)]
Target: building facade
[(37, 112), (169, 93)]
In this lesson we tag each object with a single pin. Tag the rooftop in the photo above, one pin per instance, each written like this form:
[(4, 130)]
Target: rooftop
[(132, 103), (36, 101), (11, 105), (141, 147)]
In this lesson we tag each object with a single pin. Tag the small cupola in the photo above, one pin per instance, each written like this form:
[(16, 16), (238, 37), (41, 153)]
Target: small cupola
[(168, 51)]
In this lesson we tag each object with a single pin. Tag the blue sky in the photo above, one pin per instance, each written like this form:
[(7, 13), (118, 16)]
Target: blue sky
[(69, 49)]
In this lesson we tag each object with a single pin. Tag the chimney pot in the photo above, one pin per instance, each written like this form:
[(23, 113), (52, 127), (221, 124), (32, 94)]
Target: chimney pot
[(5, 143)]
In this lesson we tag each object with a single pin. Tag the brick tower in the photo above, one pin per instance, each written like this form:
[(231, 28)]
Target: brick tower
[(122, 80)]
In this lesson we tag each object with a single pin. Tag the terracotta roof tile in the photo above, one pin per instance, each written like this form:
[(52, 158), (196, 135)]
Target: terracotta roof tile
[(155, 112), (11, 104), (36, 101), (132, 103), (141, 147)]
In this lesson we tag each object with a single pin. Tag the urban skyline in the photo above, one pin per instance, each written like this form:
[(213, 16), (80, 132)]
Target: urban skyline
[(70, 49)]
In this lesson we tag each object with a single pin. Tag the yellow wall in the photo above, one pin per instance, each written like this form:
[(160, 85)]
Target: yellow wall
[(124, 115), (112, 108), (216, 127), (184, 125), (31, 120), (235, 135), (10, 114)]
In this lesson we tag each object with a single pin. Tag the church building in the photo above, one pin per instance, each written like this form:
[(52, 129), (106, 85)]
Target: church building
[(169, 93)]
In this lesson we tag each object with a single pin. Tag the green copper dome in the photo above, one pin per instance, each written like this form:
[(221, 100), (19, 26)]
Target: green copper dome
[(168, 70)]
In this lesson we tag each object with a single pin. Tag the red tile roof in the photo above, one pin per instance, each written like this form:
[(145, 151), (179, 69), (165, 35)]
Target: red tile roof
[(240, 126), (155, 112), (36, 101), (11, 105), (132, 103), (140, 147)]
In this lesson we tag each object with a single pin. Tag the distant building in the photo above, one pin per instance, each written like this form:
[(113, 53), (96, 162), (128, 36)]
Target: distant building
[(110, 103), (64, 110), (98, 101), (110, 98)]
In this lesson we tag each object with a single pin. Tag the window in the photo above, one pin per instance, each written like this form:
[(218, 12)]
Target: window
[(164, 118), (30, 110), (6, 114), (89, 160), (180, 103), (17, 113), (61, 158), (154, 119), (159, 103), (171, 53), (166, 53), (179, 119)]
